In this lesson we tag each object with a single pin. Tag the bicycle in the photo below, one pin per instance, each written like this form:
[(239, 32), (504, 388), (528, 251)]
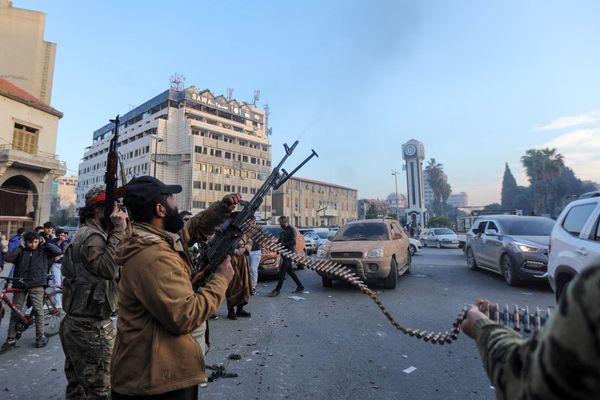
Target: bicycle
[(52, 314)]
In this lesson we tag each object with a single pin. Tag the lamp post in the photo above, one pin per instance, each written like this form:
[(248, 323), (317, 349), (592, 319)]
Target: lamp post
[(395, 173), (157, 139)]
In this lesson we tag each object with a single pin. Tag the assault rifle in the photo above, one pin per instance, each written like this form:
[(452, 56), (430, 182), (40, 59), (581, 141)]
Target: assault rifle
[(228, 236), (110, 177)]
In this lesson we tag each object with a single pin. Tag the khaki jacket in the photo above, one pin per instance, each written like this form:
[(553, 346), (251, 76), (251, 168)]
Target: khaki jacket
[(154, 352)]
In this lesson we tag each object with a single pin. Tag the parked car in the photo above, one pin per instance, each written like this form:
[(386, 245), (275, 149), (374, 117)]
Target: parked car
[(439, 237), (511, 245), (270, 261), (376, 250), (414, 246), (325, 234), (574, 242), (311, 240)]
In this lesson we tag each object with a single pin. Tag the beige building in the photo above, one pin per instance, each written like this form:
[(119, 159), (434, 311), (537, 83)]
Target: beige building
[(26, 59), (66, 191), (310, 203), (27, 125), (208, 144)]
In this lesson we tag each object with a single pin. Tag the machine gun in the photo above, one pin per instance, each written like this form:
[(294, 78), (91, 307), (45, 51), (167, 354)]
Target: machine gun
[(228, 236), (111, 177)]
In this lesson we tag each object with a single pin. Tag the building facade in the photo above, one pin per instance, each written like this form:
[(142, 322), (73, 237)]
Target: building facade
[(363, 205), (28, 164), (310, 203), (208, 144), (27, 59), (458, 199)]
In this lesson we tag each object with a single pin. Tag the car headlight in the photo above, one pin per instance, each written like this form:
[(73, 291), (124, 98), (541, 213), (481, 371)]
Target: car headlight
[(321, 253), (525, 248), (375, 253)]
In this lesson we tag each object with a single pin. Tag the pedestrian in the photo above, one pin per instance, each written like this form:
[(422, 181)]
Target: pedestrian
[(61, 241), (254, 261), (238, 291), (47, 232), (287, 238), (562, 361), (155, 355), (90, 276), (31, 270), (15, 241)]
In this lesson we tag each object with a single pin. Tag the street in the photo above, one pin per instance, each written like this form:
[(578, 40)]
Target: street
[(327, 342)]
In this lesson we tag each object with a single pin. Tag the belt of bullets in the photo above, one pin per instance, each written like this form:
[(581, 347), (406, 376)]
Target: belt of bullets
[(517, 318)]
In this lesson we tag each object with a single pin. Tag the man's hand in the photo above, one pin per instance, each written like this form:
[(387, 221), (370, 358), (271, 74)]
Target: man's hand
[(225, 269), (231, 201), (119, 217), (473, 315)]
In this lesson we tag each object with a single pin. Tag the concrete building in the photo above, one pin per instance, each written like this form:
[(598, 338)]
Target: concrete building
[(64, 195), (458, 199), (208, 144), (396, 206), (310, 203), (26, 59), (381, 206), (27, 125), (427, 191)]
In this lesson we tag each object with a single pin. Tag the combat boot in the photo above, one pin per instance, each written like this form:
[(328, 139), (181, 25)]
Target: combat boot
[(42, 341), (7, 346)]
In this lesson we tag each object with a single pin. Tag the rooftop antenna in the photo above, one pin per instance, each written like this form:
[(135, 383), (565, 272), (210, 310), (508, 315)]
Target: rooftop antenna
[(177, 81), (256, 96), (229, 93)]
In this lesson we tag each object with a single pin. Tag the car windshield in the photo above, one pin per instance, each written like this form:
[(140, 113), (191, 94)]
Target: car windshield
[(323, 235), (273, 230), (362, 231), (541, 227), (443, 231)]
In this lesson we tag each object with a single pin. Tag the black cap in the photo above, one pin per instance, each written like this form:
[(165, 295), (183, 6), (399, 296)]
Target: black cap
[(143, 189)]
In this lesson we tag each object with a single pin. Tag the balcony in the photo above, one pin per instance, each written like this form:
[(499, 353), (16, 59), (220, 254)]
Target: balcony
[(41, 161)]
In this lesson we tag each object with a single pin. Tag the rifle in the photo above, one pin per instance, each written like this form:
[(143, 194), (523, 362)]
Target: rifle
[(228, 236), (110, 177)]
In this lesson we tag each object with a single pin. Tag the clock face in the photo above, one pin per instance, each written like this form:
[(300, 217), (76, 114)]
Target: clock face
[(410, 149)]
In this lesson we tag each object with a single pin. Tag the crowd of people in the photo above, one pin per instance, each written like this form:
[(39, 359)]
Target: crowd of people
[(139, 264)]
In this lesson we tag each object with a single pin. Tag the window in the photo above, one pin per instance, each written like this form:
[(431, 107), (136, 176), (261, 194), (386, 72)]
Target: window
[(218, 153), (25, 138), (577, 217), (227, 155), (198, 204)]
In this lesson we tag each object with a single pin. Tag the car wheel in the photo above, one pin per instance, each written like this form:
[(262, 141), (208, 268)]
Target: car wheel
[(327, 282), (508, 271), (392, 278), (561, 287), (471, 263), (438, 244), (412, 249)]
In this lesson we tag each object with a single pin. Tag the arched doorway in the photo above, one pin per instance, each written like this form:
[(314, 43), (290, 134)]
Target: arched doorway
[(18, 202)]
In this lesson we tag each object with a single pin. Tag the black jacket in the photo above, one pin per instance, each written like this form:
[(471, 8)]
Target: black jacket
[(30, 265), (287, 238)]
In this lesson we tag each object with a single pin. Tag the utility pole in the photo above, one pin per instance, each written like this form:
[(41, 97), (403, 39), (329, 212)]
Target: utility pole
[(395, 173)]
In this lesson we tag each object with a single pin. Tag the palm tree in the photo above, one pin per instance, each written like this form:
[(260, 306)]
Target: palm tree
[(542, 167), (438, 181)]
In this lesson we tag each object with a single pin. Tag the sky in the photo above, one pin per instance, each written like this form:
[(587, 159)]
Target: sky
[(478, 82)]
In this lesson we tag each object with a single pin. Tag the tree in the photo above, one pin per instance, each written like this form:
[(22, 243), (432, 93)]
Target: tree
[(438, 181), (371, 212), (439, 222), (542, 167), (509, 188)]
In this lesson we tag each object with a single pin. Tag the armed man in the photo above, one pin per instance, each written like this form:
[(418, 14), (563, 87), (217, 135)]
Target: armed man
[(90, 298)]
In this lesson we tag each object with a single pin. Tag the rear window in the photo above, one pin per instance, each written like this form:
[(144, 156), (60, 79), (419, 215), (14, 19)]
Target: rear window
[(577, 217), (273, 230), (443, 231), (518, 227), (366, 231)]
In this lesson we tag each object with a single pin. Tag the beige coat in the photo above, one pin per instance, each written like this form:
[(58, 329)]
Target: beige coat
[(154, 352)]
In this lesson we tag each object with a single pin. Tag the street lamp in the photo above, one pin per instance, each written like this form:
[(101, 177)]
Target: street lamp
[(395, 173), (157, 139)]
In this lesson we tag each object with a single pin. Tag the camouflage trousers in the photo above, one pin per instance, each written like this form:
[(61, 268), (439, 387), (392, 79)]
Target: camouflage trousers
[(87, 344)]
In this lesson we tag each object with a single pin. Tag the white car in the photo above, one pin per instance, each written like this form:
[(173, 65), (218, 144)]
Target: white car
[(574, 241), (414, 246), (439, 237)]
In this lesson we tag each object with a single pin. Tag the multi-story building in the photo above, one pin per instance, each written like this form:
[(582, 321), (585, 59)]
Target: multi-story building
[(396, 204), (208, 144), (27, 59), (381, 207), (428, 197), (64, 195), (310, 203), (458, 199)]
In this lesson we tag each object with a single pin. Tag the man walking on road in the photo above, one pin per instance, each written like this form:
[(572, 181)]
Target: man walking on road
[(90, 299), (287, 238)]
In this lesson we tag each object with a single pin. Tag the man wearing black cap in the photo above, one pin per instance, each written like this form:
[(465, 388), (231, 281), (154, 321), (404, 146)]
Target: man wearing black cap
[(154, 353), (90, 298)]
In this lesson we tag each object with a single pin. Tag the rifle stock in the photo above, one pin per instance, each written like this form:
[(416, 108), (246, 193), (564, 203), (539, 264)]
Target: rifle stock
[(228, 236)]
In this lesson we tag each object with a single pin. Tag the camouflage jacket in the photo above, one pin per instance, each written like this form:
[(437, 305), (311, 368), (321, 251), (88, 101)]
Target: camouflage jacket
[(561, 362)]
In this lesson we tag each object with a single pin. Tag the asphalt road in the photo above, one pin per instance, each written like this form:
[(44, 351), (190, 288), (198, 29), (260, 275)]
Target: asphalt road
[(328, 342)]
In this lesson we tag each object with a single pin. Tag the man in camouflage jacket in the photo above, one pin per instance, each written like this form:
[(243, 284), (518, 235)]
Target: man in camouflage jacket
[(562, 361)]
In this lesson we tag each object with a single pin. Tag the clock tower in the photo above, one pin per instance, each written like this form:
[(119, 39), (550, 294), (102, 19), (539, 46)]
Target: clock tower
[(413, 153)]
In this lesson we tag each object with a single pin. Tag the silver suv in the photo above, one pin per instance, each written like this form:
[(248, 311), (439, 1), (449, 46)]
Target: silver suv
[(511, 245), (574, 242)]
